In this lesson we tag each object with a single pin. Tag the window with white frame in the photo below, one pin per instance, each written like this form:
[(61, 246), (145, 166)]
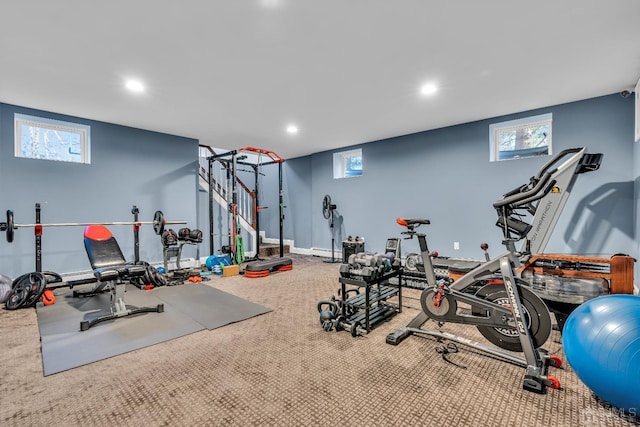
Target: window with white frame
[(515, 139), (48, 139), (347, 164)]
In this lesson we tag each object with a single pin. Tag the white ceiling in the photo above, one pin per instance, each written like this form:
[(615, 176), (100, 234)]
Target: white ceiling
[(235, 73)]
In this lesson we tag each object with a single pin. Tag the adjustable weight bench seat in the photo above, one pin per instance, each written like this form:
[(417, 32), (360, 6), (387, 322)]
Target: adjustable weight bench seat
[(112, 273)]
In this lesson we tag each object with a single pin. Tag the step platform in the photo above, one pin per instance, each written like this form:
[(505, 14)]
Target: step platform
[(264, 268)]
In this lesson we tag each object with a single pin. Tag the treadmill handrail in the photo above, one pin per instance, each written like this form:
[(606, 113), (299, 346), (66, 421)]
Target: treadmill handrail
[(559, 156), (540, 185), (538, 196)]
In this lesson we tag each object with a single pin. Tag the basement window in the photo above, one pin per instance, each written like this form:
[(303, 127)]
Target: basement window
[(516, 139), (347, 164), (48, 139)]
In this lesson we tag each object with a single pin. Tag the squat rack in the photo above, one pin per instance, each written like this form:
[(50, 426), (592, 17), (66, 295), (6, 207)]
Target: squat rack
[(231, 160)]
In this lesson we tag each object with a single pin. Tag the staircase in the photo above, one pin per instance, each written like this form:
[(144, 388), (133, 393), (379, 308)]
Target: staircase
[(271, 249), (222, 187)]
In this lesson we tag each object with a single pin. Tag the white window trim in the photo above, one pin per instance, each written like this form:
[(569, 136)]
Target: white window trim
[(57, 125), (340, 163), (496, 128)]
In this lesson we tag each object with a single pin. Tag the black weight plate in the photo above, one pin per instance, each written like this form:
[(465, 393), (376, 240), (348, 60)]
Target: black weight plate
[(146, 278), (20, 292), (158, 278), (10, 229), (38, 284), (17, 299), (158, 223)]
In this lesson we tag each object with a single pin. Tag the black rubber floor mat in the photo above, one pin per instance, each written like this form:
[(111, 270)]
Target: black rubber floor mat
[(187, 309)]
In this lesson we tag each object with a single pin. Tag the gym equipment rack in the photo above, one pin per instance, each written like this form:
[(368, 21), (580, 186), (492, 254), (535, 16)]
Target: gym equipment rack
[(361, 312)]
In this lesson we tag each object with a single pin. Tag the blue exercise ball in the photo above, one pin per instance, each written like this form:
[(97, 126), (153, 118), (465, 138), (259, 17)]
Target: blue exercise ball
[(601, 340)]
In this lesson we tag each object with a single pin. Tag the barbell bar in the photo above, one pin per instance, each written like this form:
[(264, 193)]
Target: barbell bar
[(158, 223)]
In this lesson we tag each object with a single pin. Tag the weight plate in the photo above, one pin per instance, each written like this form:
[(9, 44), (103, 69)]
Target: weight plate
[(17, 298), (10, 225), (147, 278), (38, 284), (20, 292), (158, 223), (157, 278)]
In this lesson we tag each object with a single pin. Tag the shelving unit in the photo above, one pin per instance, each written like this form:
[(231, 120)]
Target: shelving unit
[(368, 309)]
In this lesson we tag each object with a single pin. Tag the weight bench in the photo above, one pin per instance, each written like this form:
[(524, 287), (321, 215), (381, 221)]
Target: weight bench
[(263, 268), (112, 272)]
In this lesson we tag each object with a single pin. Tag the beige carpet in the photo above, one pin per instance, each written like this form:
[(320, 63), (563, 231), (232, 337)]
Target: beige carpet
[(282, 369)]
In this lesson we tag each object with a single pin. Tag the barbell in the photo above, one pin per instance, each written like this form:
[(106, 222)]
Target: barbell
[(158, 224)]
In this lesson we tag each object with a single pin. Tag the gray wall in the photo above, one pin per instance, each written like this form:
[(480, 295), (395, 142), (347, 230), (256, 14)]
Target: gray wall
[(297, 191), (128, 167), (445, 175), (442, 174)]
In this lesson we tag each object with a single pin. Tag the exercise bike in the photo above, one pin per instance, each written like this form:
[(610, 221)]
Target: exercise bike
[(491, 297)]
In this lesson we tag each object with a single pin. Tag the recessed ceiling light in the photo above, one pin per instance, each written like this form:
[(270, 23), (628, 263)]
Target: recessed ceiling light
[(270, 3), (292, 129), (135, 86), (428, 89)]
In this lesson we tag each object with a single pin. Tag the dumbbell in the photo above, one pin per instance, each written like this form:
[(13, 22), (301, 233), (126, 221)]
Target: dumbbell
[(183, 233), (189, 235), (169, 238), (195, 236)]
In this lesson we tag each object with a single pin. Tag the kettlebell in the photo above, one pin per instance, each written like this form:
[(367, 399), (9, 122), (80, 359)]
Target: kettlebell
[(48, 298), (328, 311)]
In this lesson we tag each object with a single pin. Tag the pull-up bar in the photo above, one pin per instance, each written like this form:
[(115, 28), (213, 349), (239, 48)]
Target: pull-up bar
[(272, 155), (275, 158)]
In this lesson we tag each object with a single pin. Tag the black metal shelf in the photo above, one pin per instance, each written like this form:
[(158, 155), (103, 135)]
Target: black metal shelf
[(368, 309)]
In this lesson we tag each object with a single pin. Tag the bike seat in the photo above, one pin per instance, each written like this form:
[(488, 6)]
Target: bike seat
[(407, 222)]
